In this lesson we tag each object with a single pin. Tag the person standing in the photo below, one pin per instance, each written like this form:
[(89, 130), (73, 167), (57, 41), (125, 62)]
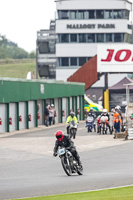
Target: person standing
[(54, 113), (46, 115), (51, 115), (117, 121)]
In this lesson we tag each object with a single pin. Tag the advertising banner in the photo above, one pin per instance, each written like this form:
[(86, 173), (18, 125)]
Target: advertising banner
[(115, 58)]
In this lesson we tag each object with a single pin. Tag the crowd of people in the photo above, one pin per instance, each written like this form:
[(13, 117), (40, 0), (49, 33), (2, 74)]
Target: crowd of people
[(49, 115)]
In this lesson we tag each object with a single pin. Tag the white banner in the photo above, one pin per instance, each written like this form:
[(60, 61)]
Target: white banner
[(115, 58)]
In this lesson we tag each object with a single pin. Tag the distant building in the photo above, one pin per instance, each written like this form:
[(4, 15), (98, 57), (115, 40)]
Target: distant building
[(46, 52), (81, 25)]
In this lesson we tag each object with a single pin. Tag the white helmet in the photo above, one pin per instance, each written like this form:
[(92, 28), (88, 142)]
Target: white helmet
[(104, 110), (72, 113), (117, 108), (91, 109)]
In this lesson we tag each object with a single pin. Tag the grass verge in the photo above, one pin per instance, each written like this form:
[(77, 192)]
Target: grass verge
[(124, 193), (17, 69)]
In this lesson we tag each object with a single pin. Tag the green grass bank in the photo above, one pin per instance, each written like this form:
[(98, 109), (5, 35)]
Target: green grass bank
[(17, 68), (124, 193)]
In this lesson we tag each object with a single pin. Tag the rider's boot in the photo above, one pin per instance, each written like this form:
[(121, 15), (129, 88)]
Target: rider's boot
[(79, 163)]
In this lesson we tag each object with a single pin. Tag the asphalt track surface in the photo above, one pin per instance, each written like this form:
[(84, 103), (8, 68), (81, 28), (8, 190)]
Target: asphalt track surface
[(28, 168)]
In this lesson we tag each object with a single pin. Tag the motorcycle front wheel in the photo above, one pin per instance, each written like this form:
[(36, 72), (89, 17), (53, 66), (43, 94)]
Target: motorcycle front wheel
[(89, 129), (66, 166), (80, 171), (74, 134)]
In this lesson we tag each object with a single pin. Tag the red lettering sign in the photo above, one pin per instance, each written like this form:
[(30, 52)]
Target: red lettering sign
[(109, 56), (117, 56), (127, 56)]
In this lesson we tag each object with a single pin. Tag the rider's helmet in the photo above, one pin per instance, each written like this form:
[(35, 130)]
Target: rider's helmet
[(104, 111), (117, 108), (72, 114), (59, 135), (91, 109)]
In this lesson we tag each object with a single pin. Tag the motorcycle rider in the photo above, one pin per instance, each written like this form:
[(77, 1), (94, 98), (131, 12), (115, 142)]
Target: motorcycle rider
[(92, 114), (99, 124), (71, 118), (105, 113), (65, 141)]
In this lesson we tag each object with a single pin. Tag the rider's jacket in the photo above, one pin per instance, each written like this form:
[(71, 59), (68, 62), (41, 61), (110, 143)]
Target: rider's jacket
[(105, 114), (91, 114), (65, 142), (70, 119)]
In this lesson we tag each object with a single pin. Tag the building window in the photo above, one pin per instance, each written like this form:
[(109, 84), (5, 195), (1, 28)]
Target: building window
[(81, 14), (82, 60), (100, 37), (108, 14), (73, 14), (65, 61), (64, 38), (91, 14), (117, 14), (63, 14), (73, 37), (73, 61), (127, 38), (99, 14), (82, 38), (118, 37), (88, 58), (109, 37), (126, 14), (90, 38)]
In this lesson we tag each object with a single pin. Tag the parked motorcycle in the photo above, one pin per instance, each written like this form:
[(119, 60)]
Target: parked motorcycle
[(90, 123), (69, 163), (73, 129)]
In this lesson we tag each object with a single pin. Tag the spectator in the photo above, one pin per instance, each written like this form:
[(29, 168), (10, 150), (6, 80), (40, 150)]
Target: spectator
[(51, 115), (53, 120), (46, 115)]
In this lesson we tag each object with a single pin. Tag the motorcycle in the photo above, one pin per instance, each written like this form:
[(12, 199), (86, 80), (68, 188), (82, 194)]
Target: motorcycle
[(69, 163), (99, 124), (104, 122), (90, 123), (73, 129)]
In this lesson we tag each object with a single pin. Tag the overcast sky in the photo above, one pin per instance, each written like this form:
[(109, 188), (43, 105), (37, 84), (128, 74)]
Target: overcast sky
[(21, 19)]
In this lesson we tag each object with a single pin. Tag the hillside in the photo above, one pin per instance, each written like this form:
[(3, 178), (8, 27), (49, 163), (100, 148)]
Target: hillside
[(17, 68)]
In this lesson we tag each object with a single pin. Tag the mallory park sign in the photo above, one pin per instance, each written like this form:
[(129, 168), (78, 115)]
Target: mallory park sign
[(90, 26)]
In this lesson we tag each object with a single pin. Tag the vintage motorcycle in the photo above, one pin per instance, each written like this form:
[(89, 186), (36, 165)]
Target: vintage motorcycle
[(104, 122), (73, 129), (90, 123), (69, 163)]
